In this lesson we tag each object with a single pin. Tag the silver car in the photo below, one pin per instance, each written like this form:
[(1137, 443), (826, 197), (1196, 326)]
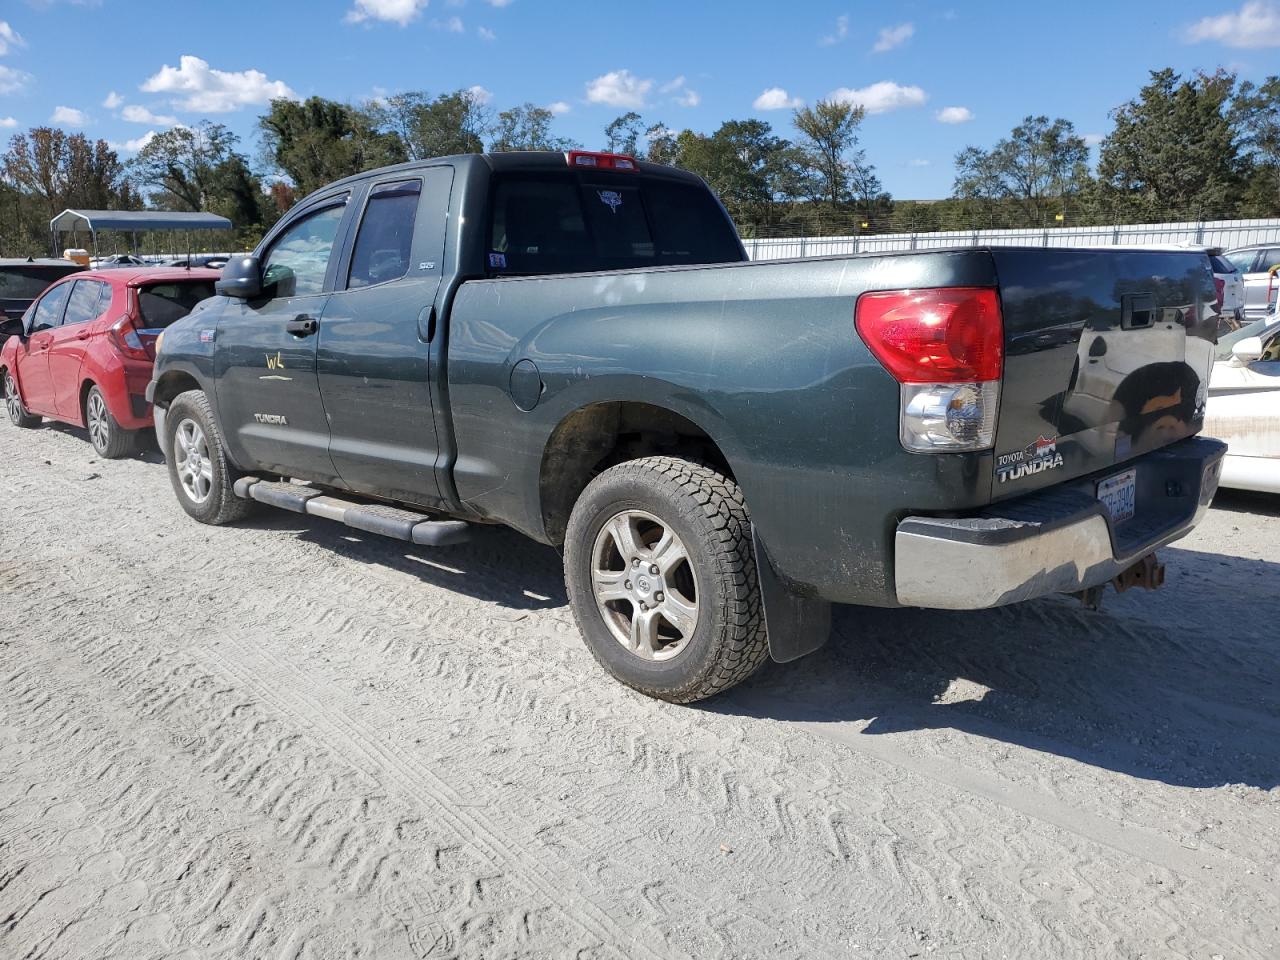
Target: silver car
[(1261, 286)]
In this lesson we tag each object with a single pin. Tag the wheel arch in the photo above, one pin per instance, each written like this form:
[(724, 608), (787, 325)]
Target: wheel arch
[(172, 383)]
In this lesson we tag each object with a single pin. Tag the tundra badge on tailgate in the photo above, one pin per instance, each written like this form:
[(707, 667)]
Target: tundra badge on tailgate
[(1035, 457)]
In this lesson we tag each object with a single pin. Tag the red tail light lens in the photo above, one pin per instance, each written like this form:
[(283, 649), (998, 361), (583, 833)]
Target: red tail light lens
[(945, 335), (1220, 288), (125, 337)]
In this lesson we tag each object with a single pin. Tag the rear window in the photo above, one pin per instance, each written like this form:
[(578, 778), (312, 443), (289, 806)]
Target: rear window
[(164, 303), (1222, 265), (569, 223), (27, 283)]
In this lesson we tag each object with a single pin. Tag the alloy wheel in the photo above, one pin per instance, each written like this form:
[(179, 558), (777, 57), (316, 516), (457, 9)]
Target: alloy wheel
[(98, 421), (192, 461), (645, 586), (12, 402)]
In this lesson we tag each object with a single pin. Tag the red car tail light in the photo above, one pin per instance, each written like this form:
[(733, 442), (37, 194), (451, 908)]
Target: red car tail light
[(124, 336), (945, 347), (1220, 288), (602, 161)]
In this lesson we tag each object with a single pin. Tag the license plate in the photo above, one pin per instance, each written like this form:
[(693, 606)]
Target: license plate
[(1119, 495)]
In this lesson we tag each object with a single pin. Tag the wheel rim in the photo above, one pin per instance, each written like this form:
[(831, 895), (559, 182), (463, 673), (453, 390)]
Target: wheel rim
[(99, 425), (192, 461), (645, 585), (11, 400)]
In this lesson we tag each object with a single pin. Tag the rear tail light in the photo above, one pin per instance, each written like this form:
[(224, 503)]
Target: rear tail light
[(125, 337), (945, 347), (602, 161), (1219, 286)]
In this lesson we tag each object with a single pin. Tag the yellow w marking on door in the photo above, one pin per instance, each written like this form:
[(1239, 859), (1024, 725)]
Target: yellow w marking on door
[(276, 362)]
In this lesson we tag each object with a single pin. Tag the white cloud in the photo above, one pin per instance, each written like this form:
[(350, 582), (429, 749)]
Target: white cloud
[(8, 123), (136, 114), (390, 11), (9, 37), (918, 162), (1093, 139), (481, 95), (486, 34), (113, 100), (955, 115), (452, 25), (1254, 25), (134, 145), (684, 96), (70, 116), (619, 88), (891, 37), (11, 80), (559, 107), (202, 89), (498, 3), (842, 31), (776, 98), (881, 97)]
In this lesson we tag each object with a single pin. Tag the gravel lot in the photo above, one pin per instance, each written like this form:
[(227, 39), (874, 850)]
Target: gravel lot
[(284, 740)]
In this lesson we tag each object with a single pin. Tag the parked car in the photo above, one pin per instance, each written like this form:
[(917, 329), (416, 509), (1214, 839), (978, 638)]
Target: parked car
[(82, 353), (575, 345), (1244, 405), (22, 280), (119, 260), (214, 261), (1261, 285)]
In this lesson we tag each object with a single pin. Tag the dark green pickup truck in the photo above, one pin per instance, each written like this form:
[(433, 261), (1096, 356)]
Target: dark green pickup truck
[(575, 345)]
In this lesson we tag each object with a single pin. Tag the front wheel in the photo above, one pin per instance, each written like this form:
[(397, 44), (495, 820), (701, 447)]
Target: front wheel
[(109, 439), (13, 405), (201, 474), (662, 578)]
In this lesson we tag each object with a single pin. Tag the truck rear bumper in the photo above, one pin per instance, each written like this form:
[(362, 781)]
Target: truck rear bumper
[(1060, 540)]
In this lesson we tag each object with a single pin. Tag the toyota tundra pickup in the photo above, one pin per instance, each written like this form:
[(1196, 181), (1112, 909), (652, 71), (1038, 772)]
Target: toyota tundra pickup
[(576, 346)]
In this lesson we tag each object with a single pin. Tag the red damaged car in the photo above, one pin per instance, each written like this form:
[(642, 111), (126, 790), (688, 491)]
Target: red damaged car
[(82, 352)]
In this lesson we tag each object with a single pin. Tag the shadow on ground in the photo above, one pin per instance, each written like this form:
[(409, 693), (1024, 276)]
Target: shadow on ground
[(1180, 686)]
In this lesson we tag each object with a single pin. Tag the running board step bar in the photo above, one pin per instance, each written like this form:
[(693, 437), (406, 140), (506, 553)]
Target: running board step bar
[(376, 518)]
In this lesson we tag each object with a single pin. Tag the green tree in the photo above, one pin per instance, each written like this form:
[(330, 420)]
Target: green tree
[(318, 141), (662, 145), (184, 165), (1029, 173), (443, 126), (829, 137), (526, 127), (1174, 150), (622, 135), (1257, 111)]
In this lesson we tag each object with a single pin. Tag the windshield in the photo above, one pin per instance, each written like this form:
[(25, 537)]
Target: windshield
[(164, 303), (572, 223), (1242, 260), (27, 283)]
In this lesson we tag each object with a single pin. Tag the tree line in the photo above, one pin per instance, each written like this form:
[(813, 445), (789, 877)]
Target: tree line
[(1203, 146)]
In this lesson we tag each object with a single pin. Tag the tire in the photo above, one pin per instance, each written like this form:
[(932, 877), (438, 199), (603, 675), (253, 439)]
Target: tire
[(109, 439), (203, 487), (690, 523), (13, 404)]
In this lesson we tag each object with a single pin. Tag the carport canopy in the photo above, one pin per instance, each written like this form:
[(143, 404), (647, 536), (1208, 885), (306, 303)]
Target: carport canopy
[(129, 221)]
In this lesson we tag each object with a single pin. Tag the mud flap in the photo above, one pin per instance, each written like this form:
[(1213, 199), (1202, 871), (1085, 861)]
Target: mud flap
[(796, 625)]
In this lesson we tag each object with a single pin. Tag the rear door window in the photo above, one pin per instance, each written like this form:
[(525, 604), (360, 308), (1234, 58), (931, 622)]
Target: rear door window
[(577, 223), (385, 239), (88, 300), (1270, 258), (27, 283)]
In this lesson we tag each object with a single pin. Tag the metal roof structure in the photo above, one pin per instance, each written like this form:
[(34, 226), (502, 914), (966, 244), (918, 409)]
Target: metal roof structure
[(135, 220)]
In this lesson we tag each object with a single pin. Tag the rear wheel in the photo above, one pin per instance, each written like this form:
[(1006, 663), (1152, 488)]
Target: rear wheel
[(111, 440), (13, 405), (201, 474), (662, 578)]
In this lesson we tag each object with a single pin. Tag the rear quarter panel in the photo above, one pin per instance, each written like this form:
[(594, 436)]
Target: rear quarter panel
[(762, 356)]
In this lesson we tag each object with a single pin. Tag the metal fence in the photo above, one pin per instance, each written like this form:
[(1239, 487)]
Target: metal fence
[(1213, 233)]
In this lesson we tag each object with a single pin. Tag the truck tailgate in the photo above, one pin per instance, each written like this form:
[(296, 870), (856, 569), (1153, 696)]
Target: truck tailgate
[(1107, 356)]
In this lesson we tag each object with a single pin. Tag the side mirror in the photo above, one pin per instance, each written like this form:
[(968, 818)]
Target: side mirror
[(1247, 350), (11, 327), (241, 277)]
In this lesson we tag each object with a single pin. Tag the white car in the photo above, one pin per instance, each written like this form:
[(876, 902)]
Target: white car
[(1244, 405)]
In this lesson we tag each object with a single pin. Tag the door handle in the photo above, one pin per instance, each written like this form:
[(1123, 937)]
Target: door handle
[(302, 325), (82, 336)]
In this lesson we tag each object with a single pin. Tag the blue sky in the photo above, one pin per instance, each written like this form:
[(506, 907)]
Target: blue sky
[(118, 69)]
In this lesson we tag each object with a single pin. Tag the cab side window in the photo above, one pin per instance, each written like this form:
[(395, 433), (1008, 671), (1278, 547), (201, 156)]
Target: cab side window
[(296, 263), (1270, 258), (385, 239), (48, 312), (87, 302)]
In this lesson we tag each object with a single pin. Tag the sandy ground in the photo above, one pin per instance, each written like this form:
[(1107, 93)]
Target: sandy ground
[(282, 740)]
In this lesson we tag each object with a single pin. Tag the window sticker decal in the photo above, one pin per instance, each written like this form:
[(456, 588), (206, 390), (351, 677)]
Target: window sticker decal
[(611, 199), (497, 261)]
